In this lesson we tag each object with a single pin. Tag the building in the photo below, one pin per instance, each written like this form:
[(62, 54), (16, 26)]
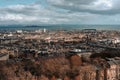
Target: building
[(4, 56), (113, 70), (87, 72), (81, 53), (89, 30)]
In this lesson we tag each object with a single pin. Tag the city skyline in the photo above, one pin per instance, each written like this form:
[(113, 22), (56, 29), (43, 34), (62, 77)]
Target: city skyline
[(38, 12)]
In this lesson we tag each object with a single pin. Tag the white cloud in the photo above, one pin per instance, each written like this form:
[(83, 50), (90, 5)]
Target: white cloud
[(63, 12), (10, 17), (103, 5)]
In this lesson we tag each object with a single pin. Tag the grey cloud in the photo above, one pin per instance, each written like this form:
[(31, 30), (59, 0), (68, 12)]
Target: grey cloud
[(80, 1), (20, 9), (32, 14), (104, 7), (58, 14)]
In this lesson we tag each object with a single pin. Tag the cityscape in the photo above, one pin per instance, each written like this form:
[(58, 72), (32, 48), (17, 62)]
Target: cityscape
[(59, 40), (87, 54)]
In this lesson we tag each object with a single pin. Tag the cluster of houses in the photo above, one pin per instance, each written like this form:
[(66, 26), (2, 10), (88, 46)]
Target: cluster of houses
[(107, 69), (110, 70)]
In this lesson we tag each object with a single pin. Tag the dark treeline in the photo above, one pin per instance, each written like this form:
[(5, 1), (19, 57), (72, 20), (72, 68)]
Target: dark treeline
[(107, 53)]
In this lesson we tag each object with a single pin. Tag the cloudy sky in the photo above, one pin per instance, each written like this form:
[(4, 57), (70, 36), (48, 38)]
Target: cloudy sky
[(59, 12)]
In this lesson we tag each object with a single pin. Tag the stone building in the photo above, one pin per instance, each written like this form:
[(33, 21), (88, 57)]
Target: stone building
[(4, 56), (113, 69), (87, 72)]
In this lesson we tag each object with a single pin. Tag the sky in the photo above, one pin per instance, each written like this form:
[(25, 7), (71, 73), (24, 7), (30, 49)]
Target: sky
[(39, 12)]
